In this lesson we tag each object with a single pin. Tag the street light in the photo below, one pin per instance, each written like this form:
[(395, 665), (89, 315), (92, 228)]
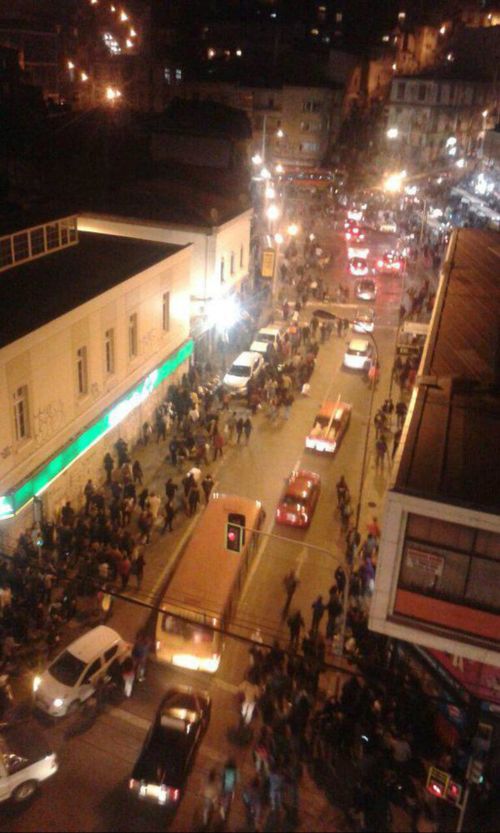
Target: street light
[(257, 159), (392, 133), (272, 212), (293, 229), (394, 182), (270, 192)]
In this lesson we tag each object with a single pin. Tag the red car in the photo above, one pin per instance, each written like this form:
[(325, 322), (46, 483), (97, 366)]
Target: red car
[(389, 262), (298, 501)]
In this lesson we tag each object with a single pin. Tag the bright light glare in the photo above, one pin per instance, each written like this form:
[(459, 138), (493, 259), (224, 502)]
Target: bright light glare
[(484, 114), (442, 30), (270, 192), (224, 312), (411, 190), (133, 33), (257, 159), (112, 93), (84, 76), (392, 133), (239, 53), (279, 133), (451, 141), (273, 212), (265, 173), (123, 17), (394, 182), (460, 163), (293, 229), (279, 168), (71, 65), (278, 238)]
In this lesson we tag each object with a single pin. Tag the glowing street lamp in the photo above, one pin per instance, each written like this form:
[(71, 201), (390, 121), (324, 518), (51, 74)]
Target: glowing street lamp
[(265, 173), (272, 212), (257, 159), (279, 133), (84, 76), (293, 229), (123, 17), (392, 133), (270, 192), (394, 182), (279, 168)]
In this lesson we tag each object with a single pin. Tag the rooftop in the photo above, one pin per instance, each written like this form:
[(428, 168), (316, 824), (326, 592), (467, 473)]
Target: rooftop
[(452, 449), (35, 293)]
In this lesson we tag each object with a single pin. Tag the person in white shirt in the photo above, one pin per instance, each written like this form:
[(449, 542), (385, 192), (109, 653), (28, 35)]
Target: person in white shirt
[(154, 504)]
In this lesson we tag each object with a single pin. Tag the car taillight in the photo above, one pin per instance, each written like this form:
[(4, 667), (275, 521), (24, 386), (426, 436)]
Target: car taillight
[(133, 784)]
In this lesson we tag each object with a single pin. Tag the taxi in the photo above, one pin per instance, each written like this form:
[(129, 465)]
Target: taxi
[(298, 501), (330, 425)]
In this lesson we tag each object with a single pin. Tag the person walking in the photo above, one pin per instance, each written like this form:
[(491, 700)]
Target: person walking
[(137, 472), (124, 567), (210, 797), (247, 429), (401, 411), (250, 690), (138, 566), (169, 514), (140, 654), (340, 580), (295, 624), (109, 465), (207, 485), (128, 676), (193, 500), (380, 451), (170, 489), (342, 491), (239, 429), (318, 609), (218, 444), (290, 584)]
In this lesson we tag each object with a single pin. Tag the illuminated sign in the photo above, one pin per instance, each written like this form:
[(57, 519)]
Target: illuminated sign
[(12, 503), (267, 267)]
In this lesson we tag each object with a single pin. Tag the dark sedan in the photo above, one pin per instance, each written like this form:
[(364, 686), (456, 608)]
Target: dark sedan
[(169, 750)]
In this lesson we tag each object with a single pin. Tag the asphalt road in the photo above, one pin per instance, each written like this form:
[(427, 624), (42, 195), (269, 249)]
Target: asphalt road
[(89, 790)]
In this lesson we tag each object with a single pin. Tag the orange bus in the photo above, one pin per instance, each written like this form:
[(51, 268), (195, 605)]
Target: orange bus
[(202, 593)]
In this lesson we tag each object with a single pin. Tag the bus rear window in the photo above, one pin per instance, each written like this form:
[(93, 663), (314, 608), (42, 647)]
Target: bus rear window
[(189, 631)]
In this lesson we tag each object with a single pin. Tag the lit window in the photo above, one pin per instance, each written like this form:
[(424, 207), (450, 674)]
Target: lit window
[(166, 312), (21, 413), (232, 264), (82, 371), (109, 347), (132, 335), (178, 74), (167, 75)]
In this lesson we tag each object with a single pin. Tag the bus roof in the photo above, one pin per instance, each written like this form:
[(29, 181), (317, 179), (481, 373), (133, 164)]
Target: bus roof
[(206, 572)]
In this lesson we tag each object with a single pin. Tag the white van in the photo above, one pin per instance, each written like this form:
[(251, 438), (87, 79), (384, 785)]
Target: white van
[(25, 761), (71, 678)]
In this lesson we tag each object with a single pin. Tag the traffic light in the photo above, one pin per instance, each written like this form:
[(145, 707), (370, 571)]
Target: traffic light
[(475, 771), (235, 532), (437, 782), (454, 792)]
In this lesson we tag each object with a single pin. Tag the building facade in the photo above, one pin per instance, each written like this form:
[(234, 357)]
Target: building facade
[(436, 116), (96, 329), (438, 573), (219, 263)]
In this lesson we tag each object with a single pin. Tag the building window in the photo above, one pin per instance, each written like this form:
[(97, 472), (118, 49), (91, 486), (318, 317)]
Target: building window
[(21, 413), (178, 74), (242, 256), (82, 371), (232, 265), (132, 335), (109, 348), (452, 562), (422, 89), (166, 312), (311, 106), (21, 248), (401, 89), (222, 279), (37, 241), (52, 232)]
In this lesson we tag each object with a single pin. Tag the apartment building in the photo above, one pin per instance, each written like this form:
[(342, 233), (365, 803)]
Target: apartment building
[(95, 327)]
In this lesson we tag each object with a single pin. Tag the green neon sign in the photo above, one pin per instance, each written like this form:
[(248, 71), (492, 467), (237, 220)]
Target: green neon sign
[(13, 502)]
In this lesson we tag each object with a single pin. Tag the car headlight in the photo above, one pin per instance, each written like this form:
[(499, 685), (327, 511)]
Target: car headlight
[(58, 702), (37, 681)]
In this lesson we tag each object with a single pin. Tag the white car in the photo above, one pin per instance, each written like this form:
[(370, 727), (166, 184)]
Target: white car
[(358, 266), (265, 336), (358, 354), (366, 290), (364, 320), (244, 368), (25, 761), (72, 677)]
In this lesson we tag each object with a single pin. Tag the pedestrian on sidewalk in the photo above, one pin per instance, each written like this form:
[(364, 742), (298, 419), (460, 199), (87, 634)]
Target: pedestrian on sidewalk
[(239, 429), (401, 411), (247, 429), (342, 491), (207, 485), (124, 571), (374, 528), (295, 623), (170, 489), (230, 778), (381, 452), (169, 513), (128, 675), (193, 500), (140, 654), (340, 580), (251, 692), (137, 472), (318, 609), (138, 570), (290, 583), (109, 465)]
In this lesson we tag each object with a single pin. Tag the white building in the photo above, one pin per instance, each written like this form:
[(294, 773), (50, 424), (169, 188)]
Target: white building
[(94, 329), (219, 263)]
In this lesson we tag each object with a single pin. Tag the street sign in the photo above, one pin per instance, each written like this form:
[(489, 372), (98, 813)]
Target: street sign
[(267, 267)]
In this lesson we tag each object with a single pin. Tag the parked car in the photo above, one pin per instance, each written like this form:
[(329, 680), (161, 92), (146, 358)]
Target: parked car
[(389, 262), (330, 425), (26, 760), (364, 320), (72, 676), (266, 336), (366, 290), (358, 354), (358, 266), (298, 501), (169, 750), (244, 368)]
